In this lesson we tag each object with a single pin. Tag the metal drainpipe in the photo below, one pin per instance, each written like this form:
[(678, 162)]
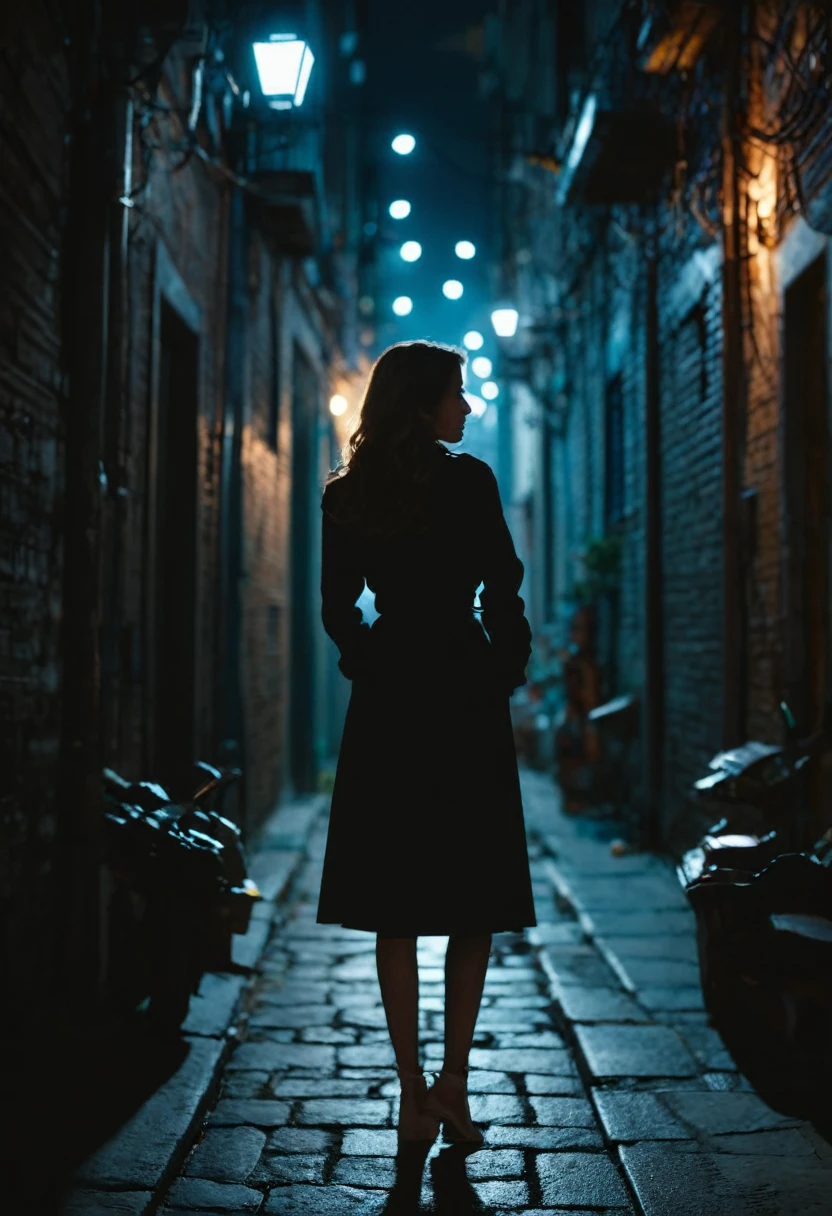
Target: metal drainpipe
[(734, 404), (653, 708), (230, 713), (116, 445)]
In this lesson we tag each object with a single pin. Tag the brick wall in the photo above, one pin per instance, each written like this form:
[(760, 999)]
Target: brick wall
[(34, 86), (691, 490), (266, 474), (184, 211)]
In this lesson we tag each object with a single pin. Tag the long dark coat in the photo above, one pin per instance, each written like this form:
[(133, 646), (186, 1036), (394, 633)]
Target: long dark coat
[(426, 832)]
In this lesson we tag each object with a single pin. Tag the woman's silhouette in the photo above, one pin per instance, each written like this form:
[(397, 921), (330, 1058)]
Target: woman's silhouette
[(426, 831)]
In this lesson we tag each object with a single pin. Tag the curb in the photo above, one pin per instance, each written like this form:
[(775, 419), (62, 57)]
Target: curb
[(128, 1175)]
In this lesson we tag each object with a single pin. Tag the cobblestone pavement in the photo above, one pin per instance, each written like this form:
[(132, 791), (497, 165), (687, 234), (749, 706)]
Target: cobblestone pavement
[(598, 1081)]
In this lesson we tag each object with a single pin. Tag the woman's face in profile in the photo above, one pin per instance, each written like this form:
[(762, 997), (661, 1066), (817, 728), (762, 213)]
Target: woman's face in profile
[(451, 412)]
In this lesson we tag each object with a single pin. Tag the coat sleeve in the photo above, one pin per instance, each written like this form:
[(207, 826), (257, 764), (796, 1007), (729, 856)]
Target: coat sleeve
[(503, 610), (342, 582)]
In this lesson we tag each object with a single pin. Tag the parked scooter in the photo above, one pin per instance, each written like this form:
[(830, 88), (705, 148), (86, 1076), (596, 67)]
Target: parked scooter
[(757, 785), (179, 891), (763, 905)]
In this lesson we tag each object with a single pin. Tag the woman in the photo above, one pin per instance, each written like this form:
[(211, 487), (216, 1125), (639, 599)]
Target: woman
[(426, 831)]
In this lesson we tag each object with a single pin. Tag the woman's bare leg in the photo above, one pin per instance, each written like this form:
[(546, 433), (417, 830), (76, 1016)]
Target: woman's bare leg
[(466, 963), (398, 979)]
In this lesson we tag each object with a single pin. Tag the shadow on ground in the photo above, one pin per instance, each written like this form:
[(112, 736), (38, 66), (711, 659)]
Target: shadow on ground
[(453, 1193), (62, 1099)]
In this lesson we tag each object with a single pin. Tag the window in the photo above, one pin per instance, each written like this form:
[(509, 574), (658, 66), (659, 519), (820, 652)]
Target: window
[(614, 453)]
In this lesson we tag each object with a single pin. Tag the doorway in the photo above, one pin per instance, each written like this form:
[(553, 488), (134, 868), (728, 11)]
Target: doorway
[(807, 492), (173, 541)]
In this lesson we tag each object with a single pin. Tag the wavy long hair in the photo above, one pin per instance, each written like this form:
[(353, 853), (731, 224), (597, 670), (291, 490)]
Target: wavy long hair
[(387, 462)]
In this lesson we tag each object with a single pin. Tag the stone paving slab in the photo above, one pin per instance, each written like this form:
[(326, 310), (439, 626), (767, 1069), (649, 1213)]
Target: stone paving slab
[(581, 1004), (291, 1017), (666, 998), (563, 1112), (296, 1167), (520, 1060), (630, 922), (550, 1138), (324, 1201), (581, 1180), (578, 965), (565, 933), (675, 947), (189, 1193), (226, 1154), (657, 973), (103, 1203), (635, 1051), (365, 1171), (563, 1087), (688, 1184), (515, 1194), (326, 1112), (707, 1046), (507, 1163), (654, 892), (685, 1114), (268, 1056), (212, 1009), (259, 1112)]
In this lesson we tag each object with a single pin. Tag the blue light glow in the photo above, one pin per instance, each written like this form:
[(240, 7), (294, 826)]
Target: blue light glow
[(452, 288), (505, 321), (411, 251), (284, 65), (402, 305), (400, 209), (464, 249), (403, 144)]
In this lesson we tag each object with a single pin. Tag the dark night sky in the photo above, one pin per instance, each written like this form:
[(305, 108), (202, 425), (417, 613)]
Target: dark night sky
[(414, 85)]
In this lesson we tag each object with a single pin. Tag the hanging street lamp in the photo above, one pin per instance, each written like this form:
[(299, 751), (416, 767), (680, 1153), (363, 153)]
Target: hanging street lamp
[(284, 65)]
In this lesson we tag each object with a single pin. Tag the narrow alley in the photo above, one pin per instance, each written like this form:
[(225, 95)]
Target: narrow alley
[(595, 1073), (415, 543)]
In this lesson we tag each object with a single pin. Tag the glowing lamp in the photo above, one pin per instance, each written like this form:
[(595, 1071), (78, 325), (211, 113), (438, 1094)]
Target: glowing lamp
[(473, 340), (410, 251), (505, 321), (481, 367), (403, 144), (338, 405), (464, 249), (400, 209), (490, 390), (452, 288), (284, 65), (402, 305)]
